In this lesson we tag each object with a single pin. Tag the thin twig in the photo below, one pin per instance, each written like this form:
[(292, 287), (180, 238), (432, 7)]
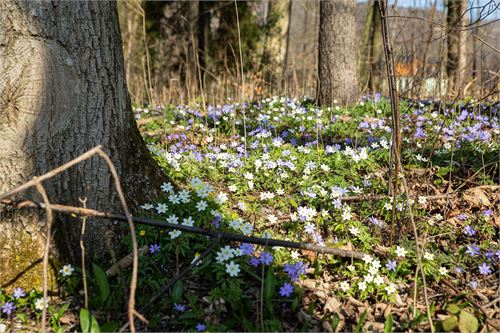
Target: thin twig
[(82, 247), (48, 211), (195, 230)]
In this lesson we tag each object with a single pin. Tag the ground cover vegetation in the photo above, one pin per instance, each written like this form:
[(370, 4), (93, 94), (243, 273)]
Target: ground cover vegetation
[(286, 169)]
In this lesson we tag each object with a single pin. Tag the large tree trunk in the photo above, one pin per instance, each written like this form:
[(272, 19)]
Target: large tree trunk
[(455, 66), (337, 77), (62, 92), (275, 43)]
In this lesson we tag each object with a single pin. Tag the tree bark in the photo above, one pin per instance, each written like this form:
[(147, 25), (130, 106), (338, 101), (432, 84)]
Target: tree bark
[(455, 65), (376, 50), (62, 92), (337, 77)]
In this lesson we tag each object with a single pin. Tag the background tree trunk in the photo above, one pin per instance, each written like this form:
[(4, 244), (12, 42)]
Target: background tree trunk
[(376, 66), (62, 92), (337, 77), (455, 65)]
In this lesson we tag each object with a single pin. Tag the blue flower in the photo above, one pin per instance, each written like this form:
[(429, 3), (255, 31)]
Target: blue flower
[(19, 293), (246, 249), (179, 307), (266, 258), (391, 265), (484, 269), (286, 290), (473, 250), (469, 231), (201, 327), (254, 261), (8, 307), (154, 248)]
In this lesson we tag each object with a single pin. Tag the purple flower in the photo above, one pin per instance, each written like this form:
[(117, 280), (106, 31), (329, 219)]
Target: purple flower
[(254, 261), (487, 212), (473, 250), (154, 248), (19, 293), (473, 284), (266, 258), (295, 270), (8, 307), (201, 327), (469, 231), (484, 269), (459, 270), (391, 265), (247, 249), (462, 217), (375, 221), (286, 290), (179, 307)]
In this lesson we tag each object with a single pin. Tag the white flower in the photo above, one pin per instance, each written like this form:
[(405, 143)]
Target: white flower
[(195, 182), (422, 200), (3, 328), (147, 206), (67, 270), (184, 196), (376, 264), (354, 231), (367, 258), (373, 270), (401, 252), (242, 206), (235, 224), (344, 285), (161, 208), (188, 221), (201, 205), (368, 278), (174, 234), (40, 304), (232, 269), (248, 176), (246, 228), (174, 199), (378, 280), (346, 215), (351, 268), (280, 191), (221, 198), (362, 285), (295, 254), (225, 253), (167, 187), (390, 289), (429, 256), (443, 270), (272, 218), (173, 219), (233, 188)]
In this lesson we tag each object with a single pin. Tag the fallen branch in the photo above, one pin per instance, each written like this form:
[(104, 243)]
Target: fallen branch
[(195, 230)]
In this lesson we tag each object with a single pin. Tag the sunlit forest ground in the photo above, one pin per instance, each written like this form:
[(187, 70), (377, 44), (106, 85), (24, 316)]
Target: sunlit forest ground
[(321, 176)]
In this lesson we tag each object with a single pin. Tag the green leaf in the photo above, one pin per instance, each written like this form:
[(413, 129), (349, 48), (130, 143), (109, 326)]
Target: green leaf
[(453, 308), (88, 323), (450, 323), (270, 285), (335, 321), (102, 282), (468, 323), (361, 321), (388, 324), (177, 292), (110, 326)]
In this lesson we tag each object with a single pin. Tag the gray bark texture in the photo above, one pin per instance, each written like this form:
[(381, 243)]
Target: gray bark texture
[(337, 77), (456, 40), (62, 92)]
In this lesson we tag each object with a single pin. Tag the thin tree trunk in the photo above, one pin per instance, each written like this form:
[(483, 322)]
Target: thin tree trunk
[(455, 67), (337, 77), (63, 91)]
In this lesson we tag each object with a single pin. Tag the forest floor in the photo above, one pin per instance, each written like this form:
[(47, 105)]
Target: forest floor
[(284, 169)]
